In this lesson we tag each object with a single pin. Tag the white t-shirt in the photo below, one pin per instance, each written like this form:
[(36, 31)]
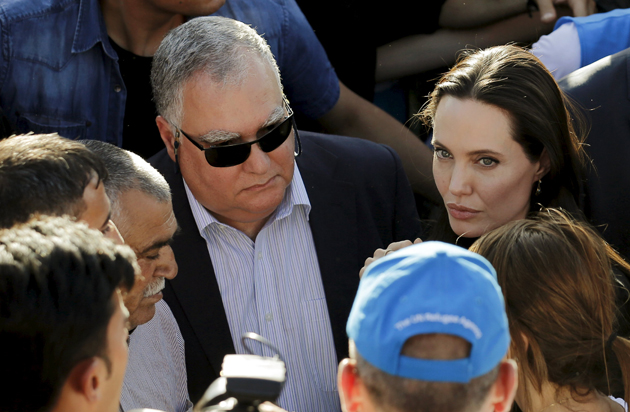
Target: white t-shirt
[(560, 50), (620, 402)]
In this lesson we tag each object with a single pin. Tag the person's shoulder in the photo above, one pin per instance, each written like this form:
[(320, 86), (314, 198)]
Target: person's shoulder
[(349, 148), (596, 74), (17, 10), (163, 163), (265, 16)]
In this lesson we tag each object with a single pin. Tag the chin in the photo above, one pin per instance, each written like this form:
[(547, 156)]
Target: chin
[(143, 314), (468, 230)]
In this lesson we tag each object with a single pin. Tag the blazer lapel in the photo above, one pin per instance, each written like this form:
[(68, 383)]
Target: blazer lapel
[(334, 227), (196, 286)]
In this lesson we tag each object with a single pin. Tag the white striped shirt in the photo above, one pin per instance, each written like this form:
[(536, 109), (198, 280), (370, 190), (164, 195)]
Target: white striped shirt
[(155, 377), (273, 287)]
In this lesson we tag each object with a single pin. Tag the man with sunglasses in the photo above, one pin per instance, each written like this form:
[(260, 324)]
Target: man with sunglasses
[(268, 243)]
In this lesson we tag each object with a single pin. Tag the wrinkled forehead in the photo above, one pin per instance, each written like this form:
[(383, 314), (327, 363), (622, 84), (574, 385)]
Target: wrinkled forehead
[(241, 107)]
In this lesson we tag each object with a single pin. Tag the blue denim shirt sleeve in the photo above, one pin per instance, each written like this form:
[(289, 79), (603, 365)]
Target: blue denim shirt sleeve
[(309, 80), (55, 72)]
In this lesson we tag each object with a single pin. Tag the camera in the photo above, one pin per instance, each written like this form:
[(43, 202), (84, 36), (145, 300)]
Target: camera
[(246, 381)]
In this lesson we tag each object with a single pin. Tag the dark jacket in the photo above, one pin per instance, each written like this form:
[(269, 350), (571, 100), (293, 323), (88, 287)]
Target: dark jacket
[(361, 200)]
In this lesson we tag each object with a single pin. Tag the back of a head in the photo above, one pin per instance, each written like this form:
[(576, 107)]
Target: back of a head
[(44, 174), (128, 171), (57, 279), (556, 276), (514, 80), (428, 329), (214, 46)]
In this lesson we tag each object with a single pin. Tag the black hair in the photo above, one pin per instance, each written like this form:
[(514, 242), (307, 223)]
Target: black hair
[(57, 280), (44, 173)]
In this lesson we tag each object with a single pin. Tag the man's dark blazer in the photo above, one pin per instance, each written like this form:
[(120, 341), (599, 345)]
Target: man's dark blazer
[(361, 200), (603, 89)]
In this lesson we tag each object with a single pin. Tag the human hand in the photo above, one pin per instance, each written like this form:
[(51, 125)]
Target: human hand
[(578, 8), (379, 253), (269, 407)]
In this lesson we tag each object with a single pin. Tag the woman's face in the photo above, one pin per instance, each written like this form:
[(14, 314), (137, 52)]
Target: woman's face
[(482, 173)]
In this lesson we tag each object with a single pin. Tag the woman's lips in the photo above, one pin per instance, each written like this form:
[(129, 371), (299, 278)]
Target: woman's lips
[(461, 212)]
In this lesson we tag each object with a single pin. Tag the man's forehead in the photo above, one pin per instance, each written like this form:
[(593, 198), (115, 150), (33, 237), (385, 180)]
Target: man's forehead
[(251, 95), (159, 234)]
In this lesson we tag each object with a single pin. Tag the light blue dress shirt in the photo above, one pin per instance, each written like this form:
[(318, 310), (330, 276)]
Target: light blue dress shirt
[(273, 287)]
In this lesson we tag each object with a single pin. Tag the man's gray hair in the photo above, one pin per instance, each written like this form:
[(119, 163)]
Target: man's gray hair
[(128, 171), (215, 46)]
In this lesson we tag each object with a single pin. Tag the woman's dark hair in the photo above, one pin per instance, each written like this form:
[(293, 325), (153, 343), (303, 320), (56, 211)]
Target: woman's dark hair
[(515, 81), (559, 289)]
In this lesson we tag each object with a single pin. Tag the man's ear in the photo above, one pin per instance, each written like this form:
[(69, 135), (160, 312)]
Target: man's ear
[(87, 377), (504, 389), (351, 390), (166, 133), (544, 165)]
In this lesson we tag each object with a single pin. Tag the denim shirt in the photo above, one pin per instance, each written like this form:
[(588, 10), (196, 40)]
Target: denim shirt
[(59, 73)]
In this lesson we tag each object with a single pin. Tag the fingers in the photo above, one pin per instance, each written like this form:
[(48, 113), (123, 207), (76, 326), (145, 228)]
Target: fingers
[(269, 407), (365, 266), (379, 253), (582, 7), (547, 10), (398, 245)]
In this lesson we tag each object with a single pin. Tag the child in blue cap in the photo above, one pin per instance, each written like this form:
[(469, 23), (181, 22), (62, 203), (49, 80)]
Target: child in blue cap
[(428, 332)]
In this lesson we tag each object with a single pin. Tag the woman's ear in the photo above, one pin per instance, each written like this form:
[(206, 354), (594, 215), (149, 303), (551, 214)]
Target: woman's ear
[(544, 165)]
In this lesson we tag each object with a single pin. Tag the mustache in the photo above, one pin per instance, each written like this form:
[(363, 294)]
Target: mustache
[(154, 287)]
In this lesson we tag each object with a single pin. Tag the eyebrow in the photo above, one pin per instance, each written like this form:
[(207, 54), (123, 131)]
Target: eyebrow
[(436, 142), (160, 243), (214, 136)]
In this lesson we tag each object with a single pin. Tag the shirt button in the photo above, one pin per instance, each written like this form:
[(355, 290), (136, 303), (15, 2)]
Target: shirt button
[(117, 88), (259, 255), (268, 317)]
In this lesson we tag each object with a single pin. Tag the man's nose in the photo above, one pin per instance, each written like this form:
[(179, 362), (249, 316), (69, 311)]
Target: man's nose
[(258, 161), (168, 265)]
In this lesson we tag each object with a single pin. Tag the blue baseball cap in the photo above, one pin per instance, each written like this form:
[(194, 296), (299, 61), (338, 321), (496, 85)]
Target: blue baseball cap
[(431, 287)]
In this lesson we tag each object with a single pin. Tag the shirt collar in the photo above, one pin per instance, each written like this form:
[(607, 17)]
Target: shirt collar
[(294, 195), (91, 29)]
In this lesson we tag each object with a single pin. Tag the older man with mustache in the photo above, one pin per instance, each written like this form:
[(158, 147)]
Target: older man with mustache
[(141, 206)]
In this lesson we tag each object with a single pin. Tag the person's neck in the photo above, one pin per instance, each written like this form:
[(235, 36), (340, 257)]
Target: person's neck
[(250, 229), (137, 26), (554, 399)]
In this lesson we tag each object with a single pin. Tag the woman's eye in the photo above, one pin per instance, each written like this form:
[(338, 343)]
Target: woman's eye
[(487, 161), (442, 154)]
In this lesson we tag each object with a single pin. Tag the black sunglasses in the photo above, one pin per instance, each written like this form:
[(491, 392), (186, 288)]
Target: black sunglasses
[(235, 154)]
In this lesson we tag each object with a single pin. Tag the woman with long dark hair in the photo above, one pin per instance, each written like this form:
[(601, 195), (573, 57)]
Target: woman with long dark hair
[(504, 142), (556, 277)]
